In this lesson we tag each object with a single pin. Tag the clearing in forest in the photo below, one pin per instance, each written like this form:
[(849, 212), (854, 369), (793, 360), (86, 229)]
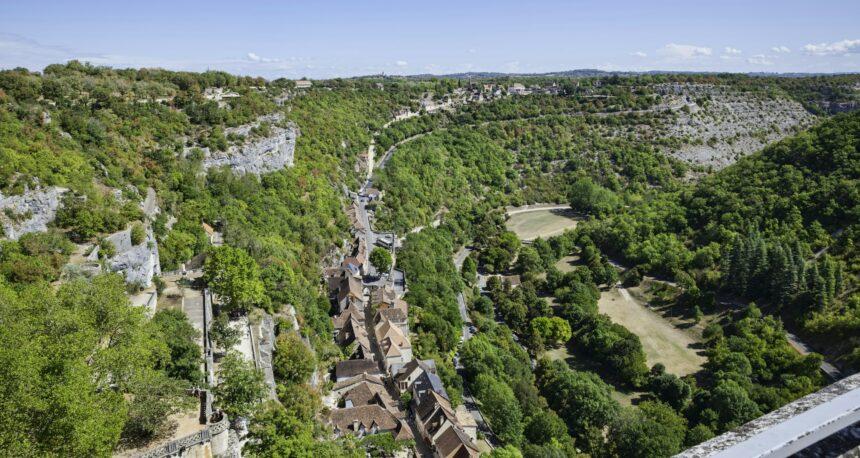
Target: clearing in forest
[(529, 225), (662, 342)]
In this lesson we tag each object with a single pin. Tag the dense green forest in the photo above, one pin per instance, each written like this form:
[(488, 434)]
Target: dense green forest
[(763, 244), (780, 219), (107, 130)]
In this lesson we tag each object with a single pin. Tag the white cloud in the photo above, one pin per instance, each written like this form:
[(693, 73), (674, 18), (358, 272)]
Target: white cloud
[(732, 51), (836, 48), (639, 54), (401, 63), (759, 59), (266, 60), (781, 49), (472, 50), (676, 51)]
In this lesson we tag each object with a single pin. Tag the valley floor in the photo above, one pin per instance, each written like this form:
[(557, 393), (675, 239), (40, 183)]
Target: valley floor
[(662, 342)]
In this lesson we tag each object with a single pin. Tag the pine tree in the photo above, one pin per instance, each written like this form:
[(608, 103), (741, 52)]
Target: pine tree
[(828, 276), (739, 267), (816, 287), (839, 280), (780, 276), (758, 267), (800, 268)]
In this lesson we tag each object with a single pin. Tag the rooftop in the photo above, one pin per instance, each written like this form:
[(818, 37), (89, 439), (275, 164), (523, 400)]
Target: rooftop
[(353, 367)]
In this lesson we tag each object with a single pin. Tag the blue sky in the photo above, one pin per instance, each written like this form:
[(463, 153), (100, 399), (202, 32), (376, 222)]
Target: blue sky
[(344, 38)]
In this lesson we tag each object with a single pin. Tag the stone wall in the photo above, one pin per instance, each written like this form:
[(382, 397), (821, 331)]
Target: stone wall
[(29, 212), (217, 434)]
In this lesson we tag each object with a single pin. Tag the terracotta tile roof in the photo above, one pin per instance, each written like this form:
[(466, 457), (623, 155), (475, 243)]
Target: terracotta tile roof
[(335, 276), (384, 296), (429, 406), (353, 311), (390, 338), (355, 332), (366, 393), (405, 432), (464, 418), (349, 286), (455, 443), (351, 261), (426, 365), (368, 416), (395, 315)]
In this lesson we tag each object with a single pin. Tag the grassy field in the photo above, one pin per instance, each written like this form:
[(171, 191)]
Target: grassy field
[(540, 223), (662, 342), (567, 263)]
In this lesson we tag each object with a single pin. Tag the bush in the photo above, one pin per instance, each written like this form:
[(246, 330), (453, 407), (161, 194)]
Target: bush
[(138, 234), (107, 249)]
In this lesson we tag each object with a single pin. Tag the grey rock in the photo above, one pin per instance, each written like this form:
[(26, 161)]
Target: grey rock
[(30, 212), (731, 124), (138, 263), (256, 156)]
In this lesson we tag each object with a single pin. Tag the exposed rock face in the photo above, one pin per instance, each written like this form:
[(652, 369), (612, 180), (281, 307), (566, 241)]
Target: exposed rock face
[(29, 212), (138, 263), (150, 204), (729, 124), (257, 155)]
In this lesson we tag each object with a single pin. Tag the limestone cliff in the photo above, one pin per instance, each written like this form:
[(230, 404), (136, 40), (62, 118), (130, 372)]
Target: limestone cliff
[(256, 155), (29, 212), (719, 124)]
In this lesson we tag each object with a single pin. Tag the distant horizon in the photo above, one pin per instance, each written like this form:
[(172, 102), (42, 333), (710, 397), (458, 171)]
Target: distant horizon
[(475, 73), (340, 38)]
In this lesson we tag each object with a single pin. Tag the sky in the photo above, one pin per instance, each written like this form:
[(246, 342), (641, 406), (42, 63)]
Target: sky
[(323, 39)]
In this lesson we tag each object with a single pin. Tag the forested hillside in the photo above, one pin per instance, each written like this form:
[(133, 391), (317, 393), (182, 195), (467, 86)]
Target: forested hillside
[(745, 246), (774, 229), (106, 136)]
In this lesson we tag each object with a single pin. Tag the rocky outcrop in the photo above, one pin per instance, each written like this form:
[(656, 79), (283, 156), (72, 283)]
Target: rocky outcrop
[(138, 263), (257, 155), (717, 124), (29, 212)]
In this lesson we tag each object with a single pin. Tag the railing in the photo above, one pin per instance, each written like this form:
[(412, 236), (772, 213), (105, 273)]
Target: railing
[(174, 447)]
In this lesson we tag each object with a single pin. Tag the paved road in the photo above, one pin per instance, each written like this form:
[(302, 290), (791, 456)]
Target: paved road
[(805, 349), (471, 406), (387, 155), (467, 333), (459, 258)]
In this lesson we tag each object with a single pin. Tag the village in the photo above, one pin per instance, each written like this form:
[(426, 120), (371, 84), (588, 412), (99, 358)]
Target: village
[(382, 387)]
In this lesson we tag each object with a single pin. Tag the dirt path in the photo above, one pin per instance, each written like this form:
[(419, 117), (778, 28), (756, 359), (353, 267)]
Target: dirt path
[(662, 342)]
